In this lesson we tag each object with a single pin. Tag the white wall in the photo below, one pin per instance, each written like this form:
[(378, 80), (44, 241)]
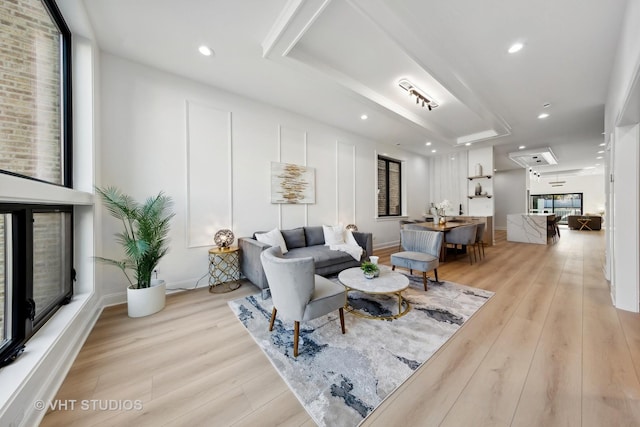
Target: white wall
[(592, 187), (510, 195), (144, 144), (621, 118)]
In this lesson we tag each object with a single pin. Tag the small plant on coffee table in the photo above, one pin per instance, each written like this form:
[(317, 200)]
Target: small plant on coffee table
[(370, 269)]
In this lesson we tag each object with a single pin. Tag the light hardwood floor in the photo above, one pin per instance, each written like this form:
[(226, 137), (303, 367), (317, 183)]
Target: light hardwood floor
[(547, 350)]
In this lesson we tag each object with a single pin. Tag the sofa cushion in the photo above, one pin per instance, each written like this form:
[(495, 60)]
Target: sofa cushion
[(314, 235), (294, 238), (322, 255)]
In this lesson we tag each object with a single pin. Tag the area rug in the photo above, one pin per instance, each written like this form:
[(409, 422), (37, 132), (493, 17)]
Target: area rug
[(340, 379)]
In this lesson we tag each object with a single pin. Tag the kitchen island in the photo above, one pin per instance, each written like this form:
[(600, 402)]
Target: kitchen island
[(528, 228)]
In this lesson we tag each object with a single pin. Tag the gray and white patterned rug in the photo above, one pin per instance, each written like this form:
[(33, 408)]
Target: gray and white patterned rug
[(340, 379)]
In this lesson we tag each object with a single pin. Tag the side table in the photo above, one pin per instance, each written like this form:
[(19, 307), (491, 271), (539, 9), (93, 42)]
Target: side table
[(224, 270)]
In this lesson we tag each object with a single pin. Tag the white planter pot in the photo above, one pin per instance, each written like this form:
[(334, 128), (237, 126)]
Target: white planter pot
[(146, 301)]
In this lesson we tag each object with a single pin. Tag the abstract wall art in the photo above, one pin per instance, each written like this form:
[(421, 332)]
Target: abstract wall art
[(292, 183)]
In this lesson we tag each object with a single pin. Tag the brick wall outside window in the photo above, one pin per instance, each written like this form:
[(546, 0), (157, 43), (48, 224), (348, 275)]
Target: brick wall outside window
[(30, 91)]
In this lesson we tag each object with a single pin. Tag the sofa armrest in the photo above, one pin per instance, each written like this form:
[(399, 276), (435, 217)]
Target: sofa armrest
[(365, 240), (250, 264)]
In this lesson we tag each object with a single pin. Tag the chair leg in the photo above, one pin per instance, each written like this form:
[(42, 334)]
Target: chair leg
[(411, 271), (273, 318), (435, 271), (341, 310), (296, 333), (393, 268), (424, 280)]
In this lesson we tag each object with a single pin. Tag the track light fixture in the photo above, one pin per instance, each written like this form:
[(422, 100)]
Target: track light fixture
[(421, 97)]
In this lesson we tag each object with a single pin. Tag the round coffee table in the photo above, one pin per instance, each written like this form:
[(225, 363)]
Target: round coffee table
[(388, 282)]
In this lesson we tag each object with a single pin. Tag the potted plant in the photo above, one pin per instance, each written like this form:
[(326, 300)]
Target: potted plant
[(144, 238), (370, 269)]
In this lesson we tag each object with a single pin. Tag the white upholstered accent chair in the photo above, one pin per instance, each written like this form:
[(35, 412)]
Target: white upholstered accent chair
[(421, 252), (464, 235), (298, 293)]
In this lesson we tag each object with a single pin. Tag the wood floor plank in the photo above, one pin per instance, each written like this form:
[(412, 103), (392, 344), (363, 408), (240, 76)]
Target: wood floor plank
[(547, 350)]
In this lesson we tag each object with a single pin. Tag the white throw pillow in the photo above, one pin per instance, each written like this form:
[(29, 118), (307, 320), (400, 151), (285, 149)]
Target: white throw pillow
[(349, 239), (333, 235), (273, 238)]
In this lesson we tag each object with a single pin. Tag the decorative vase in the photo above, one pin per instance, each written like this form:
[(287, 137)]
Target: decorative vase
[(478, 189), (443, 220), (478, 169), (146, 301), (369, 275)]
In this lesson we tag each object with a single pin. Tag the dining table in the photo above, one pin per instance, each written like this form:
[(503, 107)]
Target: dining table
[(443, 228)]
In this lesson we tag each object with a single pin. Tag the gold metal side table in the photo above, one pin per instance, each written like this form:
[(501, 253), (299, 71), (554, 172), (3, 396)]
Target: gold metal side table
[(224, 270)]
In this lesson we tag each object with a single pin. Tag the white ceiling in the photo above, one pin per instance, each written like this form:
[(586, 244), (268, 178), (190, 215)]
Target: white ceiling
[(336, 60)]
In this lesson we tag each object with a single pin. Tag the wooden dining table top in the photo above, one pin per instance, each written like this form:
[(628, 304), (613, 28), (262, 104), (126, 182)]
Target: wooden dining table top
[(442, 227)]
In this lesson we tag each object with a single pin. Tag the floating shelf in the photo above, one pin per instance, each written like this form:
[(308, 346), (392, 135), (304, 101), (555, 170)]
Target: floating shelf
[(470, 178), (486, 196)]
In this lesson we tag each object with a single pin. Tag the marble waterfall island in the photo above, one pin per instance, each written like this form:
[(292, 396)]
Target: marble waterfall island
[(528, 228)]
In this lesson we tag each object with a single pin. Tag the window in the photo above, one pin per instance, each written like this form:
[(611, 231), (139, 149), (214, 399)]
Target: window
[(389, 187), (36, 239), (562, 205)]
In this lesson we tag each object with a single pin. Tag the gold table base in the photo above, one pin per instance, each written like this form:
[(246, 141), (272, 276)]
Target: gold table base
[(225, 287), (403, 307)]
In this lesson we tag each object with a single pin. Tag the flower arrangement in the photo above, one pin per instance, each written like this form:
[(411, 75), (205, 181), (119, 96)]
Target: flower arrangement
[(442, 207)]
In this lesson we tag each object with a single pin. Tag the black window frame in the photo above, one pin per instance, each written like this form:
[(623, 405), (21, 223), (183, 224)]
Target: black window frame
[(66, 104), (387, 207), (22, 286)]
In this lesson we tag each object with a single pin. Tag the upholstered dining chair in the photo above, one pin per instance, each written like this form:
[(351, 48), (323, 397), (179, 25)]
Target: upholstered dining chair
[(298, 293), (421, 252), (479, 243), (465, 235)]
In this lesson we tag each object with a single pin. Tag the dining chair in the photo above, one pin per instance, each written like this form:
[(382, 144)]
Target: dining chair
[(298, 293), (479, 244), (465, 235)]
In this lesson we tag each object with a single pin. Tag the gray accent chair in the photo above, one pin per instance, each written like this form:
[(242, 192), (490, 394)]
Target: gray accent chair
[(464, 235), (298, 293), (421, 252)]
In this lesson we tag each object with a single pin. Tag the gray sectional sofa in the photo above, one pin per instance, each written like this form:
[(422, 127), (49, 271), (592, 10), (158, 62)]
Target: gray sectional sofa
[(301, 242)]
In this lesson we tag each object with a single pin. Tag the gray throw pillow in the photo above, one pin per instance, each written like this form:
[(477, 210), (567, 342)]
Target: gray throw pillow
[(294, 238), (314, 235)]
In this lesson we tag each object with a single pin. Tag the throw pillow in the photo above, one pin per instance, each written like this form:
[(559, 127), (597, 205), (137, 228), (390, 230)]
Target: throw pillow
[(333, 234), (349, 239), (314, 235), (273, 238), (294, 238)]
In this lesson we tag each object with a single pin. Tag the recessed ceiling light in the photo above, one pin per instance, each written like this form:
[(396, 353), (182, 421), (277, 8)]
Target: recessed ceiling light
[(428, 143), (467, 144), (603, 144), (599, 157), (522, 147), (600, 152), (543, 116), (364, 117), (516, 47), (205, 50), (433, 151)]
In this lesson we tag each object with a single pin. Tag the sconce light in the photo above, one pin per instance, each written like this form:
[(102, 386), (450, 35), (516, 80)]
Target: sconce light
[(422, 98), (351, 227), (224, 238)]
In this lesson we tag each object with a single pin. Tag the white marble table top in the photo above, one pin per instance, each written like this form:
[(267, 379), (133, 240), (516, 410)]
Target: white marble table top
[(386, 283)]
